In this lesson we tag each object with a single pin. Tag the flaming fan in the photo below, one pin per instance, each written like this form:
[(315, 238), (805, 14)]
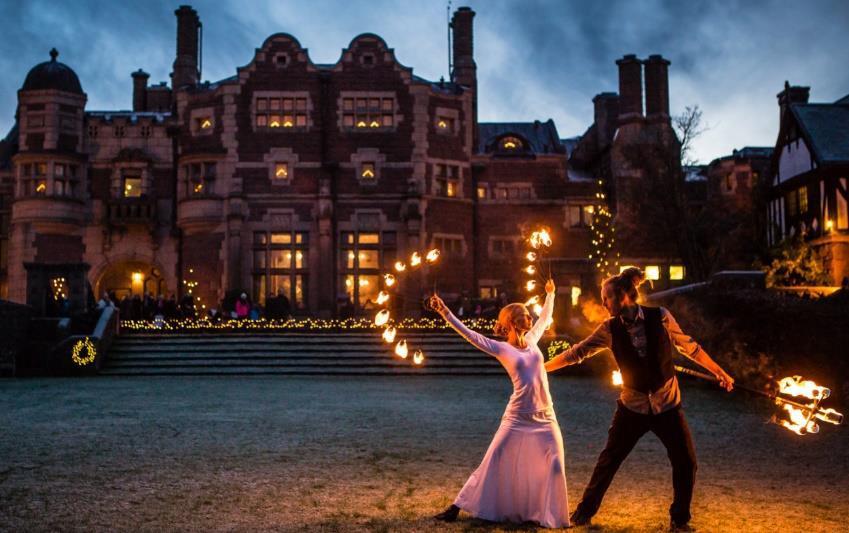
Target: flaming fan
[(540, 242), (382, 318), (802, 414)]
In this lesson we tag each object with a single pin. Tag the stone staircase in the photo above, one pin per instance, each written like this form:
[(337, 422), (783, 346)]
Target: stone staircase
[(292, 353)]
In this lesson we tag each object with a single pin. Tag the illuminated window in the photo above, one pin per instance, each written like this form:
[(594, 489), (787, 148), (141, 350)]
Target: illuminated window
[(273, 113), (200, 178), (367, 171), (449, 246), (446, 180), (580, 216), (281, 171), (803, 200), (204, 123), (510, 144), (132, 185), (445, 124), (652, 272), (41, 187), (363, 258), (280, 267), (482, 193), (576, 295), (676, 272), (368, 113)]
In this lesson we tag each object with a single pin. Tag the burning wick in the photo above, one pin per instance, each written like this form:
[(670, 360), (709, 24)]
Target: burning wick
[(382, 297), (796, 386), (389, 279), (401, 349), (544, 238), (418, 357), (432, 256), (381, 318), (530, 285), (616, 377), (531, 256), (415, 259), (532, 301), (531, 269), (400, 266), (389, 334), (537, 309)]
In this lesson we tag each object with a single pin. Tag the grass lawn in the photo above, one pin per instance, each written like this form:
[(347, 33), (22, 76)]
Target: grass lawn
[(372, 454)]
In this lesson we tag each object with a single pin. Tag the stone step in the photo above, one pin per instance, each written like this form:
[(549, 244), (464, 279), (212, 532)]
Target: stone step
[(406, 370)]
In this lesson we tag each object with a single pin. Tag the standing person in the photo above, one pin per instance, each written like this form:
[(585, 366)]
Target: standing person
[(243, 307), (522, 476), (643, 340), (284, 306)]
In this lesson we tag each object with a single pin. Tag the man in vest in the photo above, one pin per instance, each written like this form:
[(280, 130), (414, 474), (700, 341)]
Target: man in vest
[(643, 341)]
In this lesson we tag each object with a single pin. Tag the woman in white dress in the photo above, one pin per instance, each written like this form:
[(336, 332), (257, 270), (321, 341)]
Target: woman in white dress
[(522, 477)]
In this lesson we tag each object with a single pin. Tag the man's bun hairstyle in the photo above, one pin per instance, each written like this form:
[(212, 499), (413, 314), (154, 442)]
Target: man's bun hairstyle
[(627, 282)]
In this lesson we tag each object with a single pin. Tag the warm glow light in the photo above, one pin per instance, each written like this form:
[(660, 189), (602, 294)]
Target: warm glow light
[(198, 187), (531, 256), (509, 145), (381, 318), (368, 173), (530, 269), (418, 357), (206, 123), (288, 124), (401, 349), (281, 172), (361, 124), (374, 124), (400, 266), (796, 386), (389, 280), (537, 309), (432, 256), (363, 282), (576, 295), (137, 277), (389, 334), (799, 423), (545, 238), (829, 224), (530, 285), (532, 301), (382, 297), (274, 124), (676, 272), (617, 378), (653, 272), (415, 259)]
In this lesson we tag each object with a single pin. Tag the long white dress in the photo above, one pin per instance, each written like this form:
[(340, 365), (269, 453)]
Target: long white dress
[(522, 476)]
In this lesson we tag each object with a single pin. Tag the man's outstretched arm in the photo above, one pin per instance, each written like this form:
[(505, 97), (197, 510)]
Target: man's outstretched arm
[(689, 348), (596, 342)]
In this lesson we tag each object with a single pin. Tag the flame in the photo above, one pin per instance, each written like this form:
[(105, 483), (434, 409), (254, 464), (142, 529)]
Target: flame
[(531, 256), (532, 301), (401, 349), (389, 334), (830, 415), (381, 318), (616, 377), (531, 269), (432, 256), (415, 259), (534, 240), (537, 309), (418, 357), (544, 238), (382, 297), (530, 285), (799, 423), (389, 280), (400, 266), (795, 386)]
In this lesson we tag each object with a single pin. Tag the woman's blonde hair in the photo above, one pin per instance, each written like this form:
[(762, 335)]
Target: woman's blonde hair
[(506, 318), (627, 282)]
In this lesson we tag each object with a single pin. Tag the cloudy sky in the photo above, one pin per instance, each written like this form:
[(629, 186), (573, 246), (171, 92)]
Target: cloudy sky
[(537, 59)]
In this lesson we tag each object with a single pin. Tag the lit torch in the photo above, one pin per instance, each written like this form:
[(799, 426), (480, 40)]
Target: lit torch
[(616, 377), (415, 259), (401, 349), (389, 334), (381, 318), (400, 266), (382, 297), (418, 357), (432, 256)]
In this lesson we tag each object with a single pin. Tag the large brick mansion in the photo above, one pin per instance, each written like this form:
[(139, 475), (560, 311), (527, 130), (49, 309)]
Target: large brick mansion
[(307, 178)]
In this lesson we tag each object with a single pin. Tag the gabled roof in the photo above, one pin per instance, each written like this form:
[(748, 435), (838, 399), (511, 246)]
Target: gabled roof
[(843, 101), (826, 130), (542, 137)]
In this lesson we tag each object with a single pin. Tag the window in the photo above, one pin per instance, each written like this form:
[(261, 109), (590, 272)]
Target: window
[(446, 181), (273, 113), (513, 192), (145, 131), (482, 192), (367, 60), (281, 60), (790, 199), (368, 172), (581, 216), (803, 200), (64, 179), (280, 266), (676, 272), (281, 172), (445, 124), (35, 121), (118, 131), (92, 131), (488, 292), (131, 183), (368, 113), (575, 296), (501, 247), (200, 178), (842, 207), (510, 144), (729, 183), (364, 255), (449, 246), (652, 272)]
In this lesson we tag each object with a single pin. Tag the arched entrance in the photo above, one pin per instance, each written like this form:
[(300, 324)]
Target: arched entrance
[(131, 278)]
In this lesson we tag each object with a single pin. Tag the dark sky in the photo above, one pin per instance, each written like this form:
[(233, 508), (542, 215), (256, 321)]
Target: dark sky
[(537, 59)]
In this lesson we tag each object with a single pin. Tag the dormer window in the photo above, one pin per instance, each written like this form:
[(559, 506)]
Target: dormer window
[(284, 113), (281, 60), (511, 144), (367, 60), (368, 113)]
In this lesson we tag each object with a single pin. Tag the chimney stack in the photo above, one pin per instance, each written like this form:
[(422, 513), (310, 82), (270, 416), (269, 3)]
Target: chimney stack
[(464, 70), (630, 89), (606, 107), (188, 45), (140, 78), (657, 89), (792, 95)]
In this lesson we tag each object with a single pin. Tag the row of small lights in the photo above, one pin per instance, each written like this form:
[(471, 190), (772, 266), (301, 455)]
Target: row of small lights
[(603, 235), (295, 324)]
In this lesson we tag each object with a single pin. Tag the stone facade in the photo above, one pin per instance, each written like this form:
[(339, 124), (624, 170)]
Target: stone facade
[(305, 178)]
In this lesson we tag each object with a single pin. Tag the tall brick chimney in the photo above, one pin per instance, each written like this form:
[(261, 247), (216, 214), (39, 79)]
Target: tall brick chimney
[(657, 89), (630, 89), (140, 78), (188, 44), (606, 112), (792, 95), (464, 69)]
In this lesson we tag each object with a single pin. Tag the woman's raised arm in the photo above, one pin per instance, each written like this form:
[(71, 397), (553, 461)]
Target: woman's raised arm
[(479, 341)]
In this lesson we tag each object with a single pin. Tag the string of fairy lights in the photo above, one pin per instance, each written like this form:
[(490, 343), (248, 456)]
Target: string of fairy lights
[(183, 325), (83, 352), (604, 256)]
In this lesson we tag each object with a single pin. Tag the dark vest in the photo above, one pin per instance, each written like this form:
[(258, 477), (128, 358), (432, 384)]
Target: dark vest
[(649, 373)]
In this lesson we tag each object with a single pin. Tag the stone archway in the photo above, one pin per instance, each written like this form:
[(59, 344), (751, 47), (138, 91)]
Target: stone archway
[(131, 278)]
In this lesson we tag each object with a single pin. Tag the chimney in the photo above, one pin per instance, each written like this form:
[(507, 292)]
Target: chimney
[(657, 89), (630, 89), (140, 78), (606, 107), (464, 70), (188, 44), (792, 95)]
